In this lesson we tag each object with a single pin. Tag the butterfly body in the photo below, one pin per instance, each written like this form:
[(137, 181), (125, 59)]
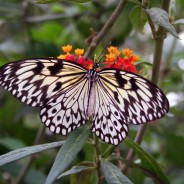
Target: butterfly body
[(92, 77), (68, 95)]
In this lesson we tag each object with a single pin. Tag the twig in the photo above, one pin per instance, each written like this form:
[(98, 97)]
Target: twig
[(151, 24), (27, 166), (155, 76), (106, 27)]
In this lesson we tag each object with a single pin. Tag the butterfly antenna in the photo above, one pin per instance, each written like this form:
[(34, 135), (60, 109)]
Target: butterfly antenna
[(101, 56)]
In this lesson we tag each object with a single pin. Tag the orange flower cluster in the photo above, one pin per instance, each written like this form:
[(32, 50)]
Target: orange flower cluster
[(113, 58), (78, 58)]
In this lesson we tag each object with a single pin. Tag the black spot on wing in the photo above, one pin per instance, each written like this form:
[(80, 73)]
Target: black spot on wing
[(133, 84), (121, 81), (115, 123), (54, 111), (38, 68), (76, 115), (68, 118), (55, 68), (58, 86), (58, 118), (116, 96)]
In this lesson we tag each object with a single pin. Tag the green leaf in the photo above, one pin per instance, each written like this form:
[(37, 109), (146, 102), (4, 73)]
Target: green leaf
[(74, 170), (172, 139), (148, 161), (12, 143), (33, 176), (68, 152), (138, 18), (86, 176), (179, 21), (112, 174), (46, 33), (135, 1), (79, 1), (144, 63), (53, 1), (23, 152), (141, 168), (45, 1), (161, 18)]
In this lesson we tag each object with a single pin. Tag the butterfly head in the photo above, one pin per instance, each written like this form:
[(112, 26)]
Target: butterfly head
[(95, 66)]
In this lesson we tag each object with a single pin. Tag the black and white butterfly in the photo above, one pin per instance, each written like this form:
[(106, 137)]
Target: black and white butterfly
[(68, 95)]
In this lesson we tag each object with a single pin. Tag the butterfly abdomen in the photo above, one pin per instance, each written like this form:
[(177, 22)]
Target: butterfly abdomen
[(92, 75)]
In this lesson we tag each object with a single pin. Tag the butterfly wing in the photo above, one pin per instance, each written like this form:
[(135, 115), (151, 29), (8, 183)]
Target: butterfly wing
[(67, 111), (62, 90), (109, 123), (36, 81), (128, 98), (60, 87), (139, 99)]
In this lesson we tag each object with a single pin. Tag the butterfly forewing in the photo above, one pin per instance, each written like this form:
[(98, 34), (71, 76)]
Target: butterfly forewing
[(37, 81), (138, 99)]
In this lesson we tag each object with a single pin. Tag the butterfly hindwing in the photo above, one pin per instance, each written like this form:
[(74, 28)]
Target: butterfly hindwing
[(68, 110), (109, 124), (138, 99), (36, 81)]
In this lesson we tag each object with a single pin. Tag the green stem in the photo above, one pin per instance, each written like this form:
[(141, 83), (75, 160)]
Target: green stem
[(159, 40), (98, 157), (96, 39), (107, 151)]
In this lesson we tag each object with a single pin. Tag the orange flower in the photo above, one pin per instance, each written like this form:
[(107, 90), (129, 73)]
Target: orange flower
[(79, 52), (135, 58), (67, 49), (127, 52), (112, 49), (62, 56), (110, 57)]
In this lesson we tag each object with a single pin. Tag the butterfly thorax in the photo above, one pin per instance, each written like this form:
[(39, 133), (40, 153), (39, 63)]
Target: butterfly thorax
[(92, 72)]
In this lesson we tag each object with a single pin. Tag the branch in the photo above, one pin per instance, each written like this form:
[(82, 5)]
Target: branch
[(96, 39), (155, 76)]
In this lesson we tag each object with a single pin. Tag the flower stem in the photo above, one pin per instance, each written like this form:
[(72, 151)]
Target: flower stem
[(98, 157), (96, 39), (159, 40)]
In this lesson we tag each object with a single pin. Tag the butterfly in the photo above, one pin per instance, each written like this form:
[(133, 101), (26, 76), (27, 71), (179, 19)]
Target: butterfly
[(69, 95)]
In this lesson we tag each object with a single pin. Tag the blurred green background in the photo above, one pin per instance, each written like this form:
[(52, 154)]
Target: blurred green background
[(28, 29)]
